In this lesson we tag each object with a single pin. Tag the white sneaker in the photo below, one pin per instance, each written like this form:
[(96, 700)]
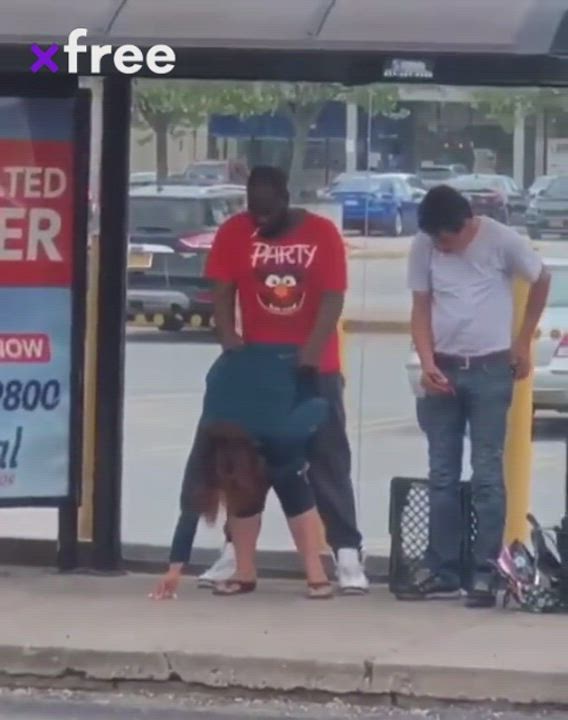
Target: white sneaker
[(223, 569), (351, 572)]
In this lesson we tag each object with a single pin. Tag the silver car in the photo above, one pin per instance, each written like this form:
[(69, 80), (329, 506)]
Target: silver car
[(551, 348), (550, 390)]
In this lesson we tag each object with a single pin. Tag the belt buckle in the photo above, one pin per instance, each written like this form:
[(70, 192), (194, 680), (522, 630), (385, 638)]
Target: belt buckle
[(465, 363)]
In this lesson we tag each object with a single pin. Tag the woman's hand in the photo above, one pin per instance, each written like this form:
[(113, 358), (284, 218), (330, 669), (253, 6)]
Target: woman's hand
[(166, 588)]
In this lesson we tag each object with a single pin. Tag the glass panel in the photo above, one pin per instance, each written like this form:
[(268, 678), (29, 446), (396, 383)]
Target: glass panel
[(559, 288), (363, 158)]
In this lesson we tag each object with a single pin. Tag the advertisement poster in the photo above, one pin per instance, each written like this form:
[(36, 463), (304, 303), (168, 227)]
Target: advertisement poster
[(36, 271)]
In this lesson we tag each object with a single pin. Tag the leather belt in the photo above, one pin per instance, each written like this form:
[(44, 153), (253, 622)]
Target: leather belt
[(457, 362)]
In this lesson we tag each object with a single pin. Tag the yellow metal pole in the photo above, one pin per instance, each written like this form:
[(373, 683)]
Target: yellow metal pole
[(89, 415), (518, 447)]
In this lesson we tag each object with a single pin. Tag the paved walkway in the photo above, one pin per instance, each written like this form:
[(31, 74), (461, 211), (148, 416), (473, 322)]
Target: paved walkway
[(72, 630)]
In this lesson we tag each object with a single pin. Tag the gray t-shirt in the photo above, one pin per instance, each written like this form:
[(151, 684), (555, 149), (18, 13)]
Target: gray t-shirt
[(472, 292)]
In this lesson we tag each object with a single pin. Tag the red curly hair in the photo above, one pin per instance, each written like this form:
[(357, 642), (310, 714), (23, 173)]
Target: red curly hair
[(232, 473)]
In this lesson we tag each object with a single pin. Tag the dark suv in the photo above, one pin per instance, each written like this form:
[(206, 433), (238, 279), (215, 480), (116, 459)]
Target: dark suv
[(215, 172), (166, 214), (172, 229)]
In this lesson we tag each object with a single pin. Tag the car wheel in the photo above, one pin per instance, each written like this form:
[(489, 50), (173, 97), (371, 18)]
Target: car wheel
[(534, 234), (171, 324), (397, 227)]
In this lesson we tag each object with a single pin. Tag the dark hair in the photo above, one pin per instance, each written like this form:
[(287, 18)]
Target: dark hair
[(232, 473), (269, 176), (443, 210)]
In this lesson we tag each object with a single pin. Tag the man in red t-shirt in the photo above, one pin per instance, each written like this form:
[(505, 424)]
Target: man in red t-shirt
[(287, 268)]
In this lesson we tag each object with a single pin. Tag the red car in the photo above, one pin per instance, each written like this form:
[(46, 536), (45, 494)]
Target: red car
[(483, 196)]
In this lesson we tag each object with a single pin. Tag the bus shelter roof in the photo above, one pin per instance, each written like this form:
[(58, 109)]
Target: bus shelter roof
[(352, 41)]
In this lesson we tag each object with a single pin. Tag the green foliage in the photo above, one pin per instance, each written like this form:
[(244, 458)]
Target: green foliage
[(159, 103), (165, 106), (503, 105)]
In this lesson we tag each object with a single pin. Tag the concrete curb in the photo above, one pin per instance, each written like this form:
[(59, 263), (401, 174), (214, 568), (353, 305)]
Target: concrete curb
[(377, 254), (351, 325), (74, 669), (385, 326)]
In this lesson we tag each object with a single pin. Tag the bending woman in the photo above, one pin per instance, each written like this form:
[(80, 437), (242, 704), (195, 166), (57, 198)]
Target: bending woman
[(259, 415)]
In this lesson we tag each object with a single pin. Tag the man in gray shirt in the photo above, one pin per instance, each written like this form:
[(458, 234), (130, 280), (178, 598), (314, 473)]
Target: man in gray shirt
[(461, 271)]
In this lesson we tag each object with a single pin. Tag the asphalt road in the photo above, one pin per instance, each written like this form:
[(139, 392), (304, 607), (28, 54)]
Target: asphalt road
[(27, 705)]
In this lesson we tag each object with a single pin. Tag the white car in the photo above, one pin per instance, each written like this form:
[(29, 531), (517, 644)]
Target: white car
[(550, 390)]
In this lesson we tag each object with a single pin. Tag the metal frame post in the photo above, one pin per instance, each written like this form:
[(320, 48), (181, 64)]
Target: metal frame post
[(115, 157)]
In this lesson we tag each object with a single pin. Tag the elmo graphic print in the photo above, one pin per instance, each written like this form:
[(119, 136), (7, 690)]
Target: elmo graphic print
[(280, 275)]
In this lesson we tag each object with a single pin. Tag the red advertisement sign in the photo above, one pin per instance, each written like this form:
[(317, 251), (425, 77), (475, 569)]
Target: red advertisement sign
[(36, 213), (25, 348)]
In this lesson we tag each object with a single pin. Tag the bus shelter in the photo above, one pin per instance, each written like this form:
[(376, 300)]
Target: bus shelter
[(523, 43)]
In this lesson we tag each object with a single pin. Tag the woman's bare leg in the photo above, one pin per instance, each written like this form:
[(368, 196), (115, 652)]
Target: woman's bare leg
[(244, 534), (305, 529)]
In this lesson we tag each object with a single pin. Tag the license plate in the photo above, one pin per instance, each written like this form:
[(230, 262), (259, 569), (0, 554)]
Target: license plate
[(352, 203), (140, 260)]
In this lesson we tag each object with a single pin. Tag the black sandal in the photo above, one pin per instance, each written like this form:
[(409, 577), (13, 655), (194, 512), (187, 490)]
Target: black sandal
[(320, 591), (234, 587)]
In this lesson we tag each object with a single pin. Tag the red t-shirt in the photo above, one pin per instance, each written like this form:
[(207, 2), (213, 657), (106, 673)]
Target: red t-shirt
[(281, 282)]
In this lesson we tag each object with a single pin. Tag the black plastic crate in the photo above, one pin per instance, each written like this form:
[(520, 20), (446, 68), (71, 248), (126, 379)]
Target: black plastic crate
[(562, 544), (409, 528)]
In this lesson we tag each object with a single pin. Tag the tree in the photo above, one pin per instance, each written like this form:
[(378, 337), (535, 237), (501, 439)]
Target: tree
[(165, 107), (503, 106), (302, 104)]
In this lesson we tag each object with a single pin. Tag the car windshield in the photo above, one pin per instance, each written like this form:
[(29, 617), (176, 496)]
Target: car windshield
[(206, 173), (167, 215), (558, 189), (558, 297), (540, 183), (435, 173), (479, 182), (471, 184), (362, 184)]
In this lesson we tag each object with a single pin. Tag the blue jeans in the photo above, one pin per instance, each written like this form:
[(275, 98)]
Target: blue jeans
[(482, 398)]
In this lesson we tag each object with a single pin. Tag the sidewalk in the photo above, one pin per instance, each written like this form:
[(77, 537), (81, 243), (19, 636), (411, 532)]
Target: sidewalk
[(379, 320), (80, 631)]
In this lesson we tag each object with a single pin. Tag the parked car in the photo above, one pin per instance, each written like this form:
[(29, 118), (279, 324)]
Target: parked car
[(551, 353), (433, 174), (483, 199), (142, 178), (547, 213), (166, 214), (550, 390), (168, 287), (539, 185), (375, 202), (513, 198), (171, 231), (216, 172)]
